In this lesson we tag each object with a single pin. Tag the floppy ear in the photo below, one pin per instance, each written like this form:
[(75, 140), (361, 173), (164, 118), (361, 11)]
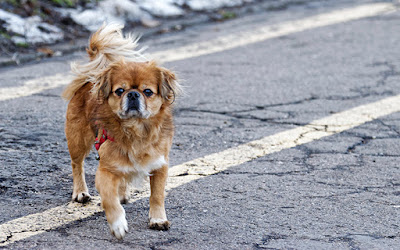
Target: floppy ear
[(169, 88), (104, 86)]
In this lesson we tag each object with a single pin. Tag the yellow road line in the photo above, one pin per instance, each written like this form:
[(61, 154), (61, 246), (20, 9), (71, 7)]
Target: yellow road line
[(272, 31)]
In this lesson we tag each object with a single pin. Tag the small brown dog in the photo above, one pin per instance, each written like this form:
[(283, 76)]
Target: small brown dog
[(127, 103)]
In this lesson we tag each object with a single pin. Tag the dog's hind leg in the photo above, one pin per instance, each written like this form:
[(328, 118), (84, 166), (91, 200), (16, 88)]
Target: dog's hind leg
[(80, 140), (123, 192)]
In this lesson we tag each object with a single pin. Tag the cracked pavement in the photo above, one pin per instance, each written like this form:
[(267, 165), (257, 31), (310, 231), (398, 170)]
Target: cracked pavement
[(338, 192)]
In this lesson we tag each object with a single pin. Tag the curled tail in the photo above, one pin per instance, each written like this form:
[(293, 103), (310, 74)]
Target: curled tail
[(106, 46)]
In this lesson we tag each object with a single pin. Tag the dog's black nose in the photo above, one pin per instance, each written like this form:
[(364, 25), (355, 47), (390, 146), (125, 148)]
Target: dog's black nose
[(133, 95), (133, 100)]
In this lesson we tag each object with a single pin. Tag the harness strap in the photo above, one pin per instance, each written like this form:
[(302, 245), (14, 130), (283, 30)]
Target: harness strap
[(101, 137)]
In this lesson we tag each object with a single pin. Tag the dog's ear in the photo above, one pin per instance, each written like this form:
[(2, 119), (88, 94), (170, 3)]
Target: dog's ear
[(104, 86), (169, 87)]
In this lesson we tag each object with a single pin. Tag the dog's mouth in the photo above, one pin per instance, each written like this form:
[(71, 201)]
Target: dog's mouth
[(133, 114)]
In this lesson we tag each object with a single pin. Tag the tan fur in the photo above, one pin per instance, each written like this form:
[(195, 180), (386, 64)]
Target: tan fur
[(142, 140)]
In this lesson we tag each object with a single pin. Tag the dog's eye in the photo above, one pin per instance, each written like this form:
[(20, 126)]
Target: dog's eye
[(148, 92), (119, 91)]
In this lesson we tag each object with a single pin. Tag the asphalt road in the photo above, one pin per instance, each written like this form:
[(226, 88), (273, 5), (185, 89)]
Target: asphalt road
[(336, 192)]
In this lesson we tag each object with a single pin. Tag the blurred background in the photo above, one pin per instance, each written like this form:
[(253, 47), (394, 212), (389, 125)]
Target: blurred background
[(31, 26)]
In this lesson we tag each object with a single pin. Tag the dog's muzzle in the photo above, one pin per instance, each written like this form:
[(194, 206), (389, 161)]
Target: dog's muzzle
[(133, 100), (134, 105)]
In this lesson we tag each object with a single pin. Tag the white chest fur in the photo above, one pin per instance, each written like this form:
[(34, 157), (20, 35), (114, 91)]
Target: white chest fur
[(140, 172)]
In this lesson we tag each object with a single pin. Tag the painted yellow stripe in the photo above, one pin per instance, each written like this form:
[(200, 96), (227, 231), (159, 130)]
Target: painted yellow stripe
[(34, 224), (218, 44), (35, 86), (315, 130), (272, 31)]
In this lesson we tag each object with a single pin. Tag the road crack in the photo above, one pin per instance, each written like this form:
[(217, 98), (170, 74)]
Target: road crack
[(364, 141), (391, 128)]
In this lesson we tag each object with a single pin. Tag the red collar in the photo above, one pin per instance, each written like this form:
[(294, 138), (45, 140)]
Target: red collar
[(101, 138)]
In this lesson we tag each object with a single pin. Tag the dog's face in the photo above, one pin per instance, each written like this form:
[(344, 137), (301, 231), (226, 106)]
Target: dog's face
[(137, 90)]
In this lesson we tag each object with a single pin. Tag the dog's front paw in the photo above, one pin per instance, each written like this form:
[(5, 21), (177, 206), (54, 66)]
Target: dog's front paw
[(159, 224), (119, 227), (81, 197)]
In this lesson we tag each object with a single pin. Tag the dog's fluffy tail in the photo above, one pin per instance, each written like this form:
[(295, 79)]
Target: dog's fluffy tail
[(106, 46)]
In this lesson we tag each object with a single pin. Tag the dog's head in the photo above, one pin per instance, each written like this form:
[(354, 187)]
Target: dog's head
[(137, 89)]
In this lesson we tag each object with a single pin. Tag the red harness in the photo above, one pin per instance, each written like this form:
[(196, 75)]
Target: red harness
[(101, 138)]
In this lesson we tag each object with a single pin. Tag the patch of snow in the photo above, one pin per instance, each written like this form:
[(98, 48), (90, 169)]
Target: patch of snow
[(33, 30), (203, 5), (109, 11), (120, 11), (92, 19), (124, 9), (161, 8), (30, 30)]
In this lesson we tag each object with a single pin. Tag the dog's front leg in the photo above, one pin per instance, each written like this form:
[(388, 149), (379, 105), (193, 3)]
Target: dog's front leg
[(108, 185), (157, 215)]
